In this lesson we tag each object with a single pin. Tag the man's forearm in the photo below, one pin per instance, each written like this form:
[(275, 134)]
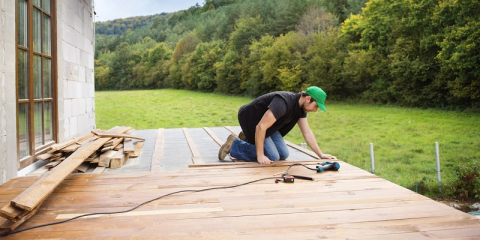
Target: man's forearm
[(259, 140)]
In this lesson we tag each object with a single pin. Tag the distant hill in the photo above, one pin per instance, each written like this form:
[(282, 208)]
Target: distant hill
[(120, 26)]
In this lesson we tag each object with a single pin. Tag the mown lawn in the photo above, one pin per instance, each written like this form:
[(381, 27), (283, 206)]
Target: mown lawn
[(403, 138)]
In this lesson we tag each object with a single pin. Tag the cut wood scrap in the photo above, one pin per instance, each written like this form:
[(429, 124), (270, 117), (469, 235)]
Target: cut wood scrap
[(95, 160), (83, 167), (138, 149), (119, 159), (44, 156), (106, 149), (128, 145), (105, 158), (9, 225), (118, 147), (59, 146), (71, 148), (93, 156), (113, 142), (10, 212), (116, 141), (52, 164), (33, 196), (130, 132), (56, 156), (113, 135)]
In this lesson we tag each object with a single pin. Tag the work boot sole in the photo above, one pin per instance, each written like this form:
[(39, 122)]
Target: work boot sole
[(225, 148)]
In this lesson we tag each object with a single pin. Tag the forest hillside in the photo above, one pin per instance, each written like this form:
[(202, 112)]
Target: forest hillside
[(418, 53)]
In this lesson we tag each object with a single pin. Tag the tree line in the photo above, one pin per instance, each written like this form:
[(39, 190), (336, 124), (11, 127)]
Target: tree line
[(420, 53)]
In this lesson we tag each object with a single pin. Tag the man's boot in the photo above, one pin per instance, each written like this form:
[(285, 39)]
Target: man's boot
[(225, 148)]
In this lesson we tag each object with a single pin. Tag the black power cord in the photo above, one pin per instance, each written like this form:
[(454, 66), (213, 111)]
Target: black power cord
[(133, 208), (151, 200)]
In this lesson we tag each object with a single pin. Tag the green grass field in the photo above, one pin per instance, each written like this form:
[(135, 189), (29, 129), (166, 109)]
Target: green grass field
[(403, 138)]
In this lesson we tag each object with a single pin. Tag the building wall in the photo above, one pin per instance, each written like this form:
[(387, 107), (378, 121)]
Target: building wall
[(76, 90), (8, 123), (75, 79)]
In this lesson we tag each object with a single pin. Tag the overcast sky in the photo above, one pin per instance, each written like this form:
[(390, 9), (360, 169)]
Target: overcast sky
[(113, 9)]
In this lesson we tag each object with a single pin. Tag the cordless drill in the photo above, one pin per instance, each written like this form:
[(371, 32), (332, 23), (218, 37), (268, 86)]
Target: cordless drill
[(328, 166)]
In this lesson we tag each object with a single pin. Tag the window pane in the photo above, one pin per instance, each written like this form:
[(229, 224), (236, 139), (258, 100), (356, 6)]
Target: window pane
[(37, 28), (38, 127), (23, 130), (37, 77), (46, 6), (36, 2), (47, 78), (22, 66), (22, 23), (48, 121), (47, 43)]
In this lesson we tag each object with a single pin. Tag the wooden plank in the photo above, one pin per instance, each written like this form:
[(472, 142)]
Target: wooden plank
[(128, 145), (119, 159), (232, 130), (59, 146), (301, 149), (39, 191), (113, 142), (112, 135), (105, 158), (252, 164), (83, 167), (95, 160), (138, 149), (71, 148), (213, 136), (44, 156), (10, 212), (52, 164), (196, 157), (118, 147), (9, 225), (156, 165)]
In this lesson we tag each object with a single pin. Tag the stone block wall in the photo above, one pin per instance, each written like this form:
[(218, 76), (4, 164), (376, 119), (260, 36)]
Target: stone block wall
[(76, 90), (8, 123), (75, 78)]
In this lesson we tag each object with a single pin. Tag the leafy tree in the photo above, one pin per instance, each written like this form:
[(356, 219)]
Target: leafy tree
[(246, 30)]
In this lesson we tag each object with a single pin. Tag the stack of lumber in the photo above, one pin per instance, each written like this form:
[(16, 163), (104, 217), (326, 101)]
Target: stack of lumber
[(68, 157), (113, 154)]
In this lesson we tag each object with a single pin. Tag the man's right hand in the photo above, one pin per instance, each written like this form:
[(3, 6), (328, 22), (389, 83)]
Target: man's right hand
[(264, 160)]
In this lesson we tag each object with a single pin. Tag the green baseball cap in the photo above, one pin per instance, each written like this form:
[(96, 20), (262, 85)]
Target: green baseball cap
[(319, 95)]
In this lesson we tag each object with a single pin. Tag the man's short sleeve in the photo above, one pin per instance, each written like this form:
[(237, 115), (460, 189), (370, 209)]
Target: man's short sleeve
[(278, 106)]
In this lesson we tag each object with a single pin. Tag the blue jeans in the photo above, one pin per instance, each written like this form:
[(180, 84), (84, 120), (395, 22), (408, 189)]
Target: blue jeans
[(274, 148)]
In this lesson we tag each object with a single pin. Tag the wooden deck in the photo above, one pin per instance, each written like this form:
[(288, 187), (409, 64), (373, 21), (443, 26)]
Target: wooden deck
[(348, 204)]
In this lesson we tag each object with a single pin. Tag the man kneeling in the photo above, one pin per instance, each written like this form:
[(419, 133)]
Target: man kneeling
[(267, 119)]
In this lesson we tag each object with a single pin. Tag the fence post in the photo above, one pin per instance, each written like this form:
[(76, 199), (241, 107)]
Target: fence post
[(372, 158), (437, 155)]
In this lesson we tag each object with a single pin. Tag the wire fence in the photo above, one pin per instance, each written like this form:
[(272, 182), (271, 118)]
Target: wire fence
[(413, 165)]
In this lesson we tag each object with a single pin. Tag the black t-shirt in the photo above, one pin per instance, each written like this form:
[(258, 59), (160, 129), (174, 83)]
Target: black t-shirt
[(284, 106)]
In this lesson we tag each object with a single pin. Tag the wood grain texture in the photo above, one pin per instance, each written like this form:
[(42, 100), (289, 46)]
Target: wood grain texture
[(348, 204), (196, 157), (39, 191), (115, 135), (156, 165)]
